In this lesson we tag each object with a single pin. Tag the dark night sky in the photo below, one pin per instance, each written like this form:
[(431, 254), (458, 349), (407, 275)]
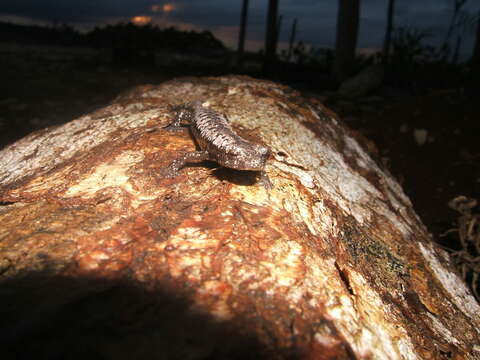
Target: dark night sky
[(316, 18)]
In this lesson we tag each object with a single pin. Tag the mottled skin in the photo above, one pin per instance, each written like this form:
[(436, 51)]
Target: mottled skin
[(217, 141)]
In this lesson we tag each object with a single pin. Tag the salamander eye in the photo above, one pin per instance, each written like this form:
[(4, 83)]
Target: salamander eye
[(263, 150)]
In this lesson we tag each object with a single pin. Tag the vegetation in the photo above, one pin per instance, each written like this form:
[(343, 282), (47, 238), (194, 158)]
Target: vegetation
[(63, 35), (413, 64), (111, 36)]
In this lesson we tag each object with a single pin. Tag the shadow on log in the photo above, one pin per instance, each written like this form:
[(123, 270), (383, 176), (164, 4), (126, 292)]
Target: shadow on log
[(50, 317)]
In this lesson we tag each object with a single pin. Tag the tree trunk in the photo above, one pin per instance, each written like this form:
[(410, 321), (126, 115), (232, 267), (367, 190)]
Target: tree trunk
[(241, 36), (456, 51), (475, 60), (278, 31), (292, 39), (346, 40), (457, 8), (388, 31), (271, 36), (102, 255)]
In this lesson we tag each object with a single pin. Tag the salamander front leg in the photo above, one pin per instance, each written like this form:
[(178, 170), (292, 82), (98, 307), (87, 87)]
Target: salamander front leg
[(174, 125), (267, 184), (173, 169), (183, 114)]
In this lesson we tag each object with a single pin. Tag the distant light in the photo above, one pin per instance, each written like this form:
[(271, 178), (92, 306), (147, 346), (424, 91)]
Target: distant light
[(141, 20), (166, 8), (157, 8)]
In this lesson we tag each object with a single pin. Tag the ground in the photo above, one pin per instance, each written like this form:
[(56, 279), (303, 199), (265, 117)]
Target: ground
[(445, 166)]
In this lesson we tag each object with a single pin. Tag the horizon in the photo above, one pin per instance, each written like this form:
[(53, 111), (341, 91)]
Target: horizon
[(222, 19)]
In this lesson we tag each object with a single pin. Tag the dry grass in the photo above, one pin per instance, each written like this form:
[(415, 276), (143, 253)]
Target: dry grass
[(467, 230)]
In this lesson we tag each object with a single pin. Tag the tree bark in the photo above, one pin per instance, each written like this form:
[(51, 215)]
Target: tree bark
[(104, 256), (346, 40)]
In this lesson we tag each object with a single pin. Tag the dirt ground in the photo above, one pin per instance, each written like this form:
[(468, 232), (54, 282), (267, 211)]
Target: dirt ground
[(446, 165)]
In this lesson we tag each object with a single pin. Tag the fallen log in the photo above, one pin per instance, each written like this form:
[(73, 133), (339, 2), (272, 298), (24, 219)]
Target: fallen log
[(102, 256)]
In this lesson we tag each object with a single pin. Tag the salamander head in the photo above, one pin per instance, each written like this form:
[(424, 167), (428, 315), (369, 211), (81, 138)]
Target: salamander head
[(253, 158)]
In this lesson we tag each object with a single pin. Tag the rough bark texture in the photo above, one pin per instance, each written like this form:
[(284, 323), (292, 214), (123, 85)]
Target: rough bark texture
[(103, 257)]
